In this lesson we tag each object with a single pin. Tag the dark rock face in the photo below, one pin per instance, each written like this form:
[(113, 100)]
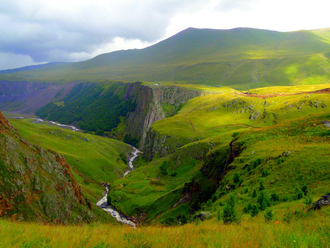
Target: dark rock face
[(323, 201), (150, 102), (37, 184)]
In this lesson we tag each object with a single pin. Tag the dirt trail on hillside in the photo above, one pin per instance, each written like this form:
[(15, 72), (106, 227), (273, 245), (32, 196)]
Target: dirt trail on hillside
[(323, 91)]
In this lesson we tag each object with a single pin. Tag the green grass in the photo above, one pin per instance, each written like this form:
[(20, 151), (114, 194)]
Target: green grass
[(311, 229), (94, 159), (209, 123)]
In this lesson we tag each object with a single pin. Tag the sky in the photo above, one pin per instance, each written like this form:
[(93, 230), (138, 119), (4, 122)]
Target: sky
[(41, 31)]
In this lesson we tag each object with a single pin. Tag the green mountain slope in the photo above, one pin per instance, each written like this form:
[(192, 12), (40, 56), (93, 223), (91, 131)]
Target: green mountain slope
[(37, 184), (243, 58), (94, 159), (278, 137)]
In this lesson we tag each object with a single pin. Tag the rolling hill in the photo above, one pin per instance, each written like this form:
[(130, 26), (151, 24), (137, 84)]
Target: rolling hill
[(241, 58)]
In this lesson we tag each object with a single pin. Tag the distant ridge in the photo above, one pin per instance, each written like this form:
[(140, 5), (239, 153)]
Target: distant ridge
[(241, 58)]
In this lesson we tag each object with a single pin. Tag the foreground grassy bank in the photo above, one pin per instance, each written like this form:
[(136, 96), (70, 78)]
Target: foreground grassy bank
[(312, 229)]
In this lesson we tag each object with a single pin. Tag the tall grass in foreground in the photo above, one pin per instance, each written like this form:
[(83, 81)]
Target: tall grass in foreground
[(311, 231)]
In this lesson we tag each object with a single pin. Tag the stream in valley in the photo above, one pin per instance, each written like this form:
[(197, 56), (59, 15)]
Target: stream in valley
[(103, 203)]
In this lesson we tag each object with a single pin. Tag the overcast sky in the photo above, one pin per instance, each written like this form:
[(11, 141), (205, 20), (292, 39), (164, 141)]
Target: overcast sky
[(39, 31)]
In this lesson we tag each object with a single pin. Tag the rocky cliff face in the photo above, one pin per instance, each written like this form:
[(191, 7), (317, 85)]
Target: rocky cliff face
[(37, 184), (153, 103)]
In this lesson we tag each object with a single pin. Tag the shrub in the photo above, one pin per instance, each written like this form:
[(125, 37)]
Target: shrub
[(274, 197), (254, 193), (240, 182), (261, 186), (288, 217), (229, 212), (308, 200), (184, 219), (163, 168), (246, 190), (109, 199), (174, 173), (256, 162), (219, 216), (265, 173), (235, 134), (304, 189), (236, 178), (263, 200), (298, 194), (254, 211), (247, 208), (269, 214), (213, 198)]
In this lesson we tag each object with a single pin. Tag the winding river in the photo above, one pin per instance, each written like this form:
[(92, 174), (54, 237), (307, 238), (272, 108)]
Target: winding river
[(103, 203)]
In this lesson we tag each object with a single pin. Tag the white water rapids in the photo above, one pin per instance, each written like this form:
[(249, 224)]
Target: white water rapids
[(103, 203)]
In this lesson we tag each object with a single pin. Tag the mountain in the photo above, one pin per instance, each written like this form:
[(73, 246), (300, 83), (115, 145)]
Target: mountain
[(242, 58), (37, 184)]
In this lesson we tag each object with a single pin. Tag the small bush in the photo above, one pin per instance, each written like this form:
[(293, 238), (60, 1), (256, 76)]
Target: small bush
[(163, 168), (265, 173), (174, 173), (298, 194), (263, 200), (274, 197), (261, 186), (254, 211), (269, 214), (256, 162), (240, 182), (236, 178), (308, 200), (109, 199), (213, 198), (247, 208), (246, 190), (288, 217), (184, 219), (305, 189), (254, 193), (229, 212), (235, 134)]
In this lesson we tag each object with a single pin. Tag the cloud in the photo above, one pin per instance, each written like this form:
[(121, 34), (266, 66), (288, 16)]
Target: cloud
[(73, 30), (67, 30), (230, 5)]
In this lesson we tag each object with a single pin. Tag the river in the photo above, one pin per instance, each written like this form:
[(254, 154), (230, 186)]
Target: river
[(39, 121), (103, 203)]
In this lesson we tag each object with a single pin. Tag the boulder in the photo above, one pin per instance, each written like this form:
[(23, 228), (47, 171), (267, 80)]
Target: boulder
[(323, 201)]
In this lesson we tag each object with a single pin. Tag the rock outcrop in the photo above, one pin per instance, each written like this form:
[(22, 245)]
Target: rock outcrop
[(154, 103), (37, 184), (323, 201)]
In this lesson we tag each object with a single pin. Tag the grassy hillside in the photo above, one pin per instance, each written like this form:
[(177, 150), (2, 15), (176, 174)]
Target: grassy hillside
[(94, 159), (277, 137), (241, 58)]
